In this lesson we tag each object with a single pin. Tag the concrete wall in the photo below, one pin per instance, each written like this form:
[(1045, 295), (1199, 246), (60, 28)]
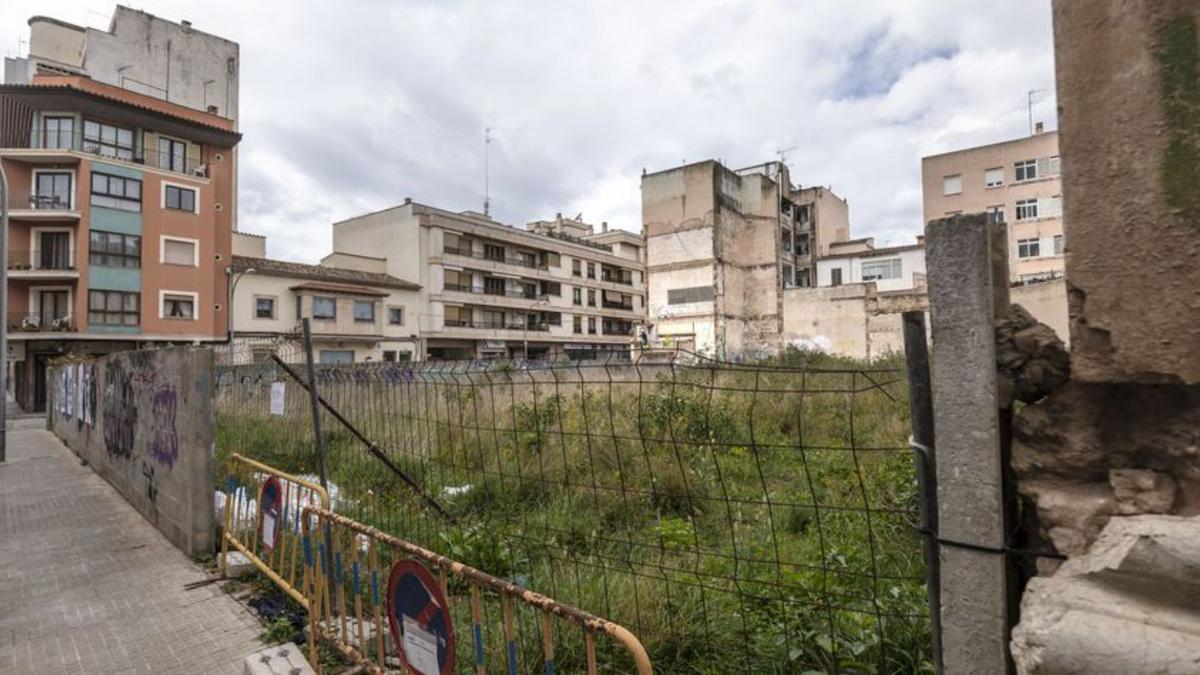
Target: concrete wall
[(1127, 91), (143, 420), (853, 320), (1047, 302)]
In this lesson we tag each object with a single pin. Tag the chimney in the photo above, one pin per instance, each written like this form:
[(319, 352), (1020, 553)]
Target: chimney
[(604, 226), (1039, 128), (187, 25), (212, 110)]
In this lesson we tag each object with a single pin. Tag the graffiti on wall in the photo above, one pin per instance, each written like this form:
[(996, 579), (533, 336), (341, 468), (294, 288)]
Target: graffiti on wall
[(120, 410), (164, 443)]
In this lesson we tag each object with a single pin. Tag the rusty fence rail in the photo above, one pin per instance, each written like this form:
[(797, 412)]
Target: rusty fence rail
[(374, 597), (262, 509)]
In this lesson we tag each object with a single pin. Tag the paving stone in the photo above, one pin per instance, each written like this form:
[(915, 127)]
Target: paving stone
[(89, 586)]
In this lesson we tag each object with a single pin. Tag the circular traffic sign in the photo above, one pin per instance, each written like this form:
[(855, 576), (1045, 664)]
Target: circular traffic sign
[(269, 498), (419, 615)]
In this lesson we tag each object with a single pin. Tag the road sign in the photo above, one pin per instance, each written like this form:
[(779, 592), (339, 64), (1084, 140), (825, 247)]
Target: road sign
[(269, 500), (420, 619)]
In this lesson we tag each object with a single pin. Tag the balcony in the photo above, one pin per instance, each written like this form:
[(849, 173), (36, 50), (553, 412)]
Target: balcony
[(42, 264), (45, 208), (497, 325), (612, 304), (507, 260), (40, 322), (482, 290), (62, 146), (623, 277)]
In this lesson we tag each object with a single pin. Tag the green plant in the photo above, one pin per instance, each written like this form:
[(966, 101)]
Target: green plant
[(277, 631)]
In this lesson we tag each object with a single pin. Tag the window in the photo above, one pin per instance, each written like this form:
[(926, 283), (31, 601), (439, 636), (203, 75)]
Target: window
[(493, 286), (802, 279), (364, 310), (53, 250), (110, 249), (591, 298), (172, 154), (52, 190), (113, 308), (116, 192), (180, 252), (1025, 170), (952, 185), (1029, 248), (107, 140), (576, 268), (337, 356), (179, 198), (452, 243), (578, 325), (1054, 166), (1027, 209), (787, 276), (324, 308), (389, 356), (835, 276), (178, 305), (993, 177), (591, 267), (493, 252), (264, 308), (802, 214), (57, 133), (1058, 244), (528, 259), (396, 316), (550, 288), (591, 325), (786, 240), (577, 296), (875, 270), (1050, 207), (683, 296), (995, 214)]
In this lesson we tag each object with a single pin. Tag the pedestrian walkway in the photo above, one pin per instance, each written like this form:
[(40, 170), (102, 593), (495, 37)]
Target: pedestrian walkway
[(88, 586)]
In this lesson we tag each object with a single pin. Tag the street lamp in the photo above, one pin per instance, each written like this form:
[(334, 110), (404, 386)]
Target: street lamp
[(525, 340), (233, 282)]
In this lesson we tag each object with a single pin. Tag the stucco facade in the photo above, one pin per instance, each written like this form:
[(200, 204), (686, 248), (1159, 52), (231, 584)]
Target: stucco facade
[(893, 268), (1018, 181)]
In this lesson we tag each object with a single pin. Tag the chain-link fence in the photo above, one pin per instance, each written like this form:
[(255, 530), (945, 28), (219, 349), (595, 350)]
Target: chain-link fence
[(737, 518)]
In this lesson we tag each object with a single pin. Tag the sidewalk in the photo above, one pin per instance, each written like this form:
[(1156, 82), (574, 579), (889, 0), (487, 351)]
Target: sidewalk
[(88, 586)]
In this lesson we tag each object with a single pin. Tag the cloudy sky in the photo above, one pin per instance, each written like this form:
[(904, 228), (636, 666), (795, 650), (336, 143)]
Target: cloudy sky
[(351, 106)]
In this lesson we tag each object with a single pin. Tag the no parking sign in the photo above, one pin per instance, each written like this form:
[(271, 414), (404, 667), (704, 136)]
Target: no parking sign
[(268, 513), (420, 619)]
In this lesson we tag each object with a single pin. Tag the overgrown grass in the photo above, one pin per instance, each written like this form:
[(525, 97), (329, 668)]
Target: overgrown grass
[(736, 519)]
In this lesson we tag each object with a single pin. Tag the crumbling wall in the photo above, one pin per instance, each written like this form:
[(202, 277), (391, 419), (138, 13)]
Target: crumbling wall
[(143, 420)]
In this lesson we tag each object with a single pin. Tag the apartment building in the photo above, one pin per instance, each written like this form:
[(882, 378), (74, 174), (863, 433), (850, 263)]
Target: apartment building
[(890, 268), (121, 221), (721, 247), (357, 311), (557, 288), (1018, 182)]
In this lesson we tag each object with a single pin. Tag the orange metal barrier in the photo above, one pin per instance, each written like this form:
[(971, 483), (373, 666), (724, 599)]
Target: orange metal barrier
[(265, 528)]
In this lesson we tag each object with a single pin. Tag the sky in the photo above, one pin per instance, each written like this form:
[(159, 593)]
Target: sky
[(351, 106)]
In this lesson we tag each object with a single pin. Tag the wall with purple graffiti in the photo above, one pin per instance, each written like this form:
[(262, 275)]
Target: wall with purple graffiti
[(144, 421)]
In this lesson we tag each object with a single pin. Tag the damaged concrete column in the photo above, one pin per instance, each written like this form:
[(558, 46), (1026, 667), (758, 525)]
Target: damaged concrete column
[(970, 472)]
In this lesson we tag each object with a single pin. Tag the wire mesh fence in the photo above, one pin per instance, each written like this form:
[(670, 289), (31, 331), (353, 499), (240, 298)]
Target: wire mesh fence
[(736, 518)]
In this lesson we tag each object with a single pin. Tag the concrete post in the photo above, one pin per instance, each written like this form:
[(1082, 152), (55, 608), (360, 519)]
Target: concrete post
[(970, 476)]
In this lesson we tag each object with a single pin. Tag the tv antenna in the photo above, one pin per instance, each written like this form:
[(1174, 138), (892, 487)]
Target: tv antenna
[(487, 145), (1030, 101)]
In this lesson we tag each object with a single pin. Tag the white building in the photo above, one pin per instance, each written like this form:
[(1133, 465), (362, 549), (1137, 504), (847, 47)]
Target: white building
[(893, 268)]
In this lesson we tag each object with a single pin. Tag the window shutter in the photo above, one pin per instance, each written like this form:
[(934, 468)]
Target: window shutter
[(179, 252), (1049, 207), (1043, 166)]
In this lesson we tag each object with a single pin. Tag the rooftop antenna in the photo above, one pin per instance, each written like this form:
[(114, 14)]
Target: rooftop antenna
[(783, 153), (1030, 100), (487, 145)]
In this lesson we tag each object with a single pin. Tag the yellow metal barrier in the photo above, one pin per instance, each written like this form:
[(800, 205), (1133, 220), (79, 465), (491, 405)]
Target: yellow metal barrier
[(263, 507), (360, 581)]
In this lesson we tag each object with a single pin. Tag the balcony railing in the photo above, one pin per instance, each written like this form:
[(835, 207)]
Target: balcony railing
[(50, 202), (483, 290), (40, 322), (21, 261), (610, 304), (108, 148), (479, 255), (496, 325), (616, 278)]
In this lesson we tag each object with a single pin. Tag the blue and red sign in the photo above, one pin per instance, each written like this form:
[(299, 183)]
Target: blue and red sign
[(419, 615), (270, 497)]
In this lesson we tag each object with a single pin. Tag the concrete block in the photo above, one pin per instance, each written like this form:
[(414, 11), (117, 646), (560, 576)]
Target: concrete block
[(284, 659), (238, 565), (1128, 605)]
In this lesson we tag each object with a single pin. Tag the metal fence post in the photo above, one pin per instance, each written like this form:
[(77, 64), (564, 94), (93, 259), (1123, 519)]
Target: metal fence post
[(318, 439), (972, 528), (920, 404)]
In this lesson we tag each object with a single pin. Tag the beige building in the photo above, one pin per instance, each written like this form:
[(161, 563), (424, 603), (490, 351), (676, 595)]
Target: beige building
[(556, 288), (890, 268), (358, 311), (1018, 181), (721, 247)]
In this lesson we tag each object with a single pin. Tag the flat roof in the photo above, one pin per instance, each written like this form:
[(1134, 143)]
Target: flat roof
[(989, 145)]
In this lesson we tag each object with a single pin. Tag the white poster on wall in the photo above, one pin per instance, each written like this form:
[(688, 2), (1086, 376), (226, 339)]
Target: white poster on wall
[(278, 397), (79, 392)]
